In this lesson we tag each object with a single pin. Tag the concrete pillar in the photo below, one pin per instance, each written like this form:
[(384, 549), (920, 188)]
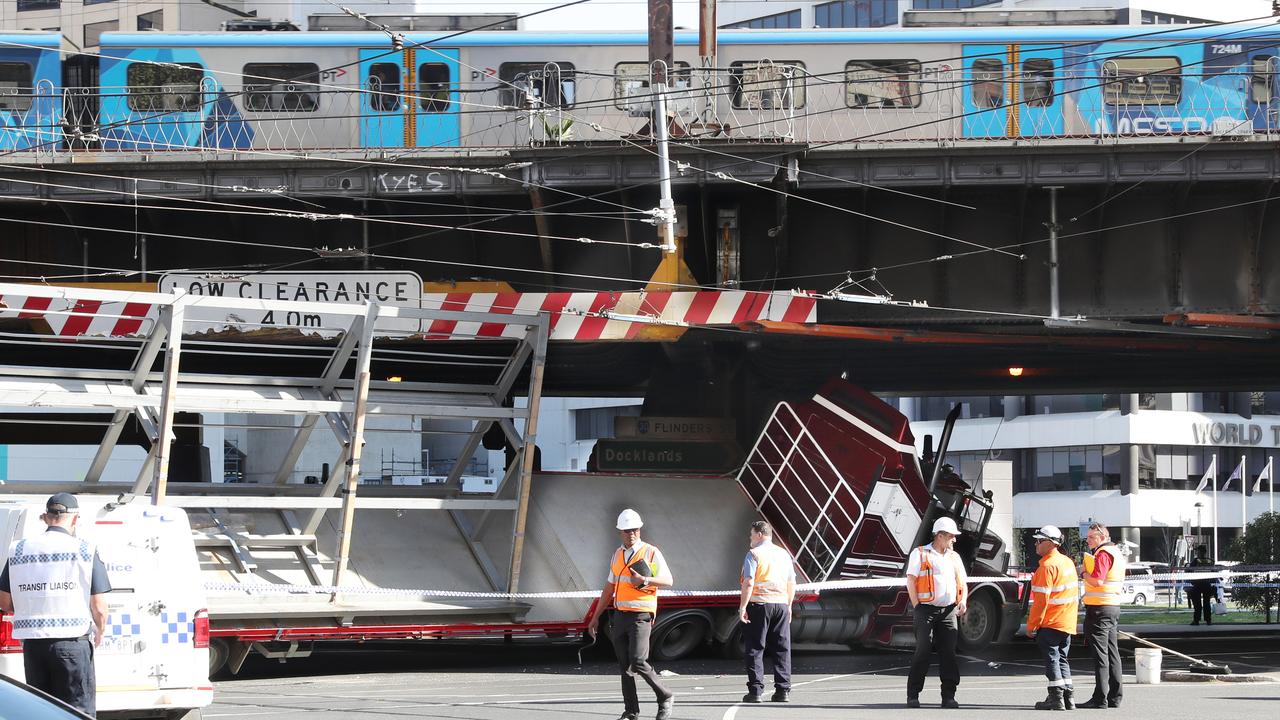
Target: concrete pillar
[(1129, 403), (1242, 404), (1129, 471), (1014, 406), (997, 479)]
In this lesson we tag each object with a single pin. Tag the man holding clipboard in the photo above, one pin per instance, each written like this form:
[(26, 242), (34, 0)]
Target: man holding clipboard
[(631, 591)]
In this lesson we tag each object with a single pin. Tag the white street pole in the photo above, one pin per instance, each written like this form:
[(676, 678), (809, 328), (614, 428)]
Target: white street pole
[(1271, 484), (1244, 491), (1215, 516), (665, 203)]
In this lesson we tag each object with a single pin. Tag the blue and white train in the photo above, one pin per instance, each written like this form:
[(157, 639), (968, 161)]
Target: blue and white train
[(159, 91)]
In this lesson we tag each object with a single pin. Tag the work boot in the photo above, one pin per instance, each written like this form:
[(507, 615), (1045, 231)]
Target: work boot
[(752, 698), (1068, 699), (1053, 701), (664, 708), (1093, 703), (781, 695), (913, 702), (629, 716), (950, 703)]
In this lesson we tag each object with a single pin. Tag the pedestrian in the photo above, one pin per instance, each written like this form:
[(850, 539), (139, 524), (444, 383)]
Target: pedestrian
[(1055, 604), (631, 591), (937, 587), (768, 589), (1103, 580), (1202, 591), (55, 585)]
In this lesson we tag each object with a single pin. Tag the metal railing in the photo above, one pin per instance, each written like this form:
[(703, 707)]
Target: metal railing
[(554, 107)]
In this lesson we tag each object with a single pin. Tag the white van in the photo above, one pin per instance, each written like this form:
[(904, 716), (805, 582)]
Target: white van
[(154, 658), (1139, 586)]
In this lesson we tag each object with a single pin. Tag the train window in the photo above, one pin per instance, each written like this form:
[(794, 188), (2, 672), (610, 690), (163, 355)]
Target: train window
[(433, 87), (767, 85), (1037, 82), (1142, 81), (281, 87), (157, 88), (987, 83), (1262, 79), (16, 82), (631, 83), (882, 83), (548, 84), (384, 83)]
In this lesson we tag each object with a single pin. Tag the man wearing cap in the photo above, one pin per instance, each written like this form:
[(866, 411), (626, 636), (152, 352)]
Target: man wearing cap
[(55, 585), (937, 586), (631, 591), (1055, 604)]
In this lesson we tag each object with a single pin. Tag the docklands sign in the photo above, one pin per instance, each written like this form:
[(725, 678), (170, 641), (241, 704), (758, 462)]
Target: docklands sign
[(1219, 433)]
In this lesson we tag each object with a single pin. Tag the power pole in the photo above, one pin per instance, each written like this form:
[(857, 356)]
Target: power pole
[(661, 39), (661, 56)]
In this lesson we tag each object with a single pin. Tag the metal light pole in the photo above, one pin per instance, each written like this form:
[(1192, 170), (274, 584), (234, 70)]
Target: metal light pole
[(1054, 309)]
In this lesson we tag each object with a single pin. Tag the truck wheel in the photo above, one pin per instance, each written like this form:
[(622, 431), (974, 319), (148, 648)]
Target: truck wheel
[(218, 653), (979, 624), (677, 634)]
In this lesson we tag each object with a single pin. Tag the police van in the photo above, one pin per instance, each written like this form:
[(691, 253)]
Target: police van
[(154, 658)]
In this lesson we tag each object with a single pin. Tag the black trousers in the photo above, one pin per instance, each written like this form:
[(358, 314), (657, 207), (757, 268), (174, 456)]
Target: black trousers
[(936, 630), (767, 635), (1201, 603), (629, 632), (1056, 646), (1102, 627), (63, 667)]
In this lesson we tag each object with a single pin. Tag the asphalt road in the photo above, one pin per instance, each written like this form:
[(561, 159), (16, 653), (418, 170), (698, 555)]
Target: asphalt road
[(547, 682)]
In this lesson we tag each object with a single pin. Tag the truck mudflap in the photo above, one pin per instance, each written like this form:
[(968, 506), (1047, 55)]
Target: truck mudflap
[(838, 478)]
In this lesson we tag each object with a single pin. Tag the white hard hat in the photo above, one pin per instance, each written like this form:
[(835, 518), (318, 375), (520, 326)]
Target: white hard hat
[(629, 520), (1049, 532), (946, 525)]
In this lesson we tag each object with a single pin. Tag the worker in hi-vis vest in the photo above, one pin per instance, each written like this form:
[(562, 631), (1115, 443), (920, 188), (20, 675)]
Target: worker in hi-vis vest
[(937, 586), (55, 585), (768, 583), (1103, 575), (1055, 605), (631, 591)]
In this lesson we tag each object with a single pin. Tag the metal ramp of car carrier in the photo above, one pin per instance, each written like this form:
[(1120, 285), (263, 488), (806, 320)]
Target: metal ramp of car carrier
[(280, 533)]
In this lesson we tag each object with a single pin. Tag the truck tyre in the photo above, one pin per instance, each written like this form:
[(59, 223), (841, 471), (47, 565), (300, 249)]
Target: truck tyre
[(979, 625), (677, 634), (218, 653)]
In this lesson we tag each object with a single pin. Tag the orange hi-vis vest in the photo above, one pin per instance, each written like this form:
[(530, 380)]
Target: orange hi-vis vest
[(1108, 593), (627, 597), (1055, 595), (925, 583), (774, 574)]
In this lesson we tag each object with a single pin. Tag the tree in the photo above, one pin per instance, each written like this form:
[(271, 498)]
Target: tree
[(1260, 546)]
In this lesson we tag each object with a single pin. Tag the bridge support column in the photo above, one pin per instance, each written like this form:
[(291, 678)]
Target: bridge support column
[(1129, 471)]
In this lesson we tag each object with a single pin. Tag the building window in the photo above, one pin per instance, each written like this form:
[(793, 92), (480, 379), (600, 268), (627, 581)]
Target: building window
[(155, 88), (24, 5), (153, 20), (1037, 82), (856, 14), (987, 90), (631, 83), (1142, 81), (433, 87), (1262, 79), (16, 82), (593, 423), (544, 84), (281, 87), (384, 84), (950, 4), (882, 83), (93, 31), (1158, 18), (97, 2), (1089, 467), (779, 21), (767, 85), (1173, 467)]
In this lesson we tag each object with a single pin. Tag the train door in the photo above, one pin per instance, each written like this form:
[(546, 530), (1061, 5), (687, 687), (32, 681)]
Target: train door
[(1012, 91), (410, 99), (1263, 103)]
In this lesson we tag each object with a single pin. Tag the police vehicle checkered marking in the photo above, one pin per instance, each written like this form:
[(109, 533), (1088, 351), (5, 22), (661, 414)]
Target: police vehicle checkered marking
[(123, 626), (177, 629)]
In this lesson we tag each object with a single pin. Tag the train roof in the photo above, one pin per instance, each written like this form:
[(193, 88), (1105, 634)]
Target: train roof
[(998, 35), (27, 38)]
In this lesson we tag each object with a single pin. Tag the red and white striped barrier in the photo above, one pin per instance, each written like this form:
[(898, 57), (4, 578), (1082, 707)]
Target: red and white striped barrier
[(577, 316)]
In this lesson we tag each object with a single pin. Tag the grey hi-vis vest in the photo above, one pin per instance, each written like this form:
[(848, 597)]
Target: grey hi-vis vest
[(50, 577)]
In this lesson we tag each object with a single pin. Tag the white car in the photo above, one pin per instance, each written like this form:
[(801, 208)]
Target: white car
[(1139, 586)]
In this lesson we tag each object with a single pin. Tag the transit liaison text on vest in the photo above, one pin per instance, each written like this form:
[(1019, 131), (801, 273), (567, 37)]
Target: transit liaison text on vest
[(37, 587), (319, 291)]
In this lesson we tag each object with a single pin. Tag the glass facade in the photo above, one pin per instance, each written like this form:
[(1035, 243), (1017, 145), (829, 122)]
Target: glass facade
[(783, 20), (950, 4), (856, 14), (24, 5)]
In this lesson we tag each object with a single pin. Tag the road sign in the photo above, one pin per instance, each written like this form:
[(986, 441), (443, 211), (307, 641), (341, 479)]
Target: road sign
[(402, 289), (614, 455)]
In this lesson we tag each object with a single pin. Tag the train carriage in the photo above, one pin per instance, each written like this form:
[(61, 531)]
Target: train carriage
[(365, 91), (30, 104)]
